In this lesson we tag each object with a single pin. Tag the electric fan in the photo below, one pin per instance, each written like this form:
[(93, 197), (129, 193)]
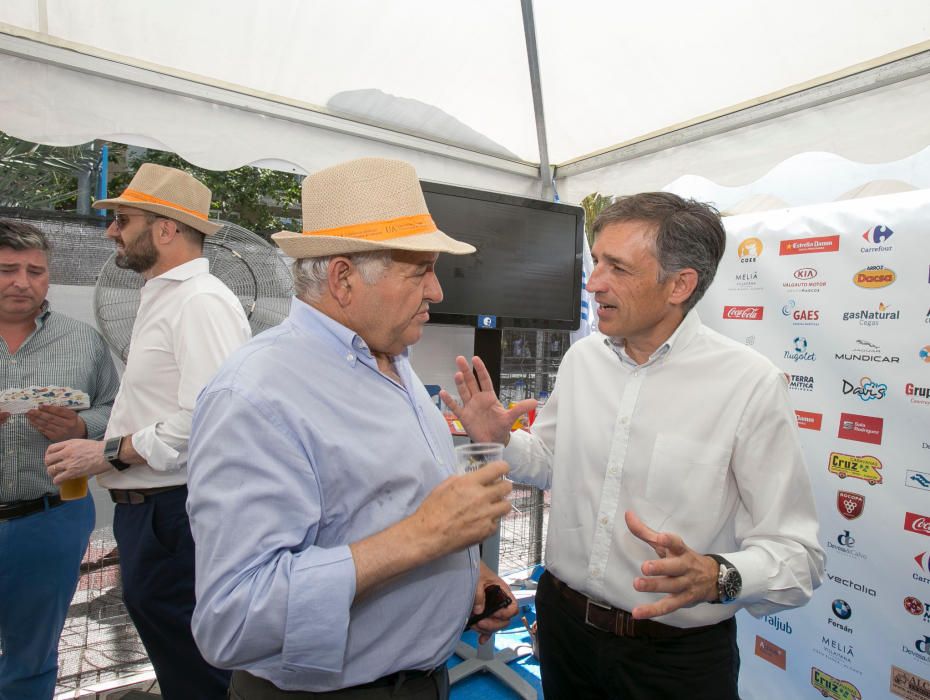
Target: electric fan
[(250, 266)]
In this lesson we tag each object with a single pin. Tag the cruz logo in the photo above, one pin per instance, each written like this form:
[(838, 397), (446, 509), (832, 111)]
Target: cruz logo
[(874, 277), (818, 244), (850, 504), (831, 687), (749, 250), (865, 467), (868, 390)]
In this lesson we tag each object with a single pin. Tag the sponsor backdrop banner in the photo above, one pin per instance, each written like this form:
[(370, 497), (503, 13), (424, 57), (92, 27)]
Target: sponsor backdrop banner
[(838, 297)]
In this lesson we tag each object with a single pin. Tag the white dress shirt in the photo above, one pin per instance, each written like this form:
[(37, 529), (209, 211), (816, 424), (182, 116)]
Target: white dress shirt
[(699, 441), (188, 323)]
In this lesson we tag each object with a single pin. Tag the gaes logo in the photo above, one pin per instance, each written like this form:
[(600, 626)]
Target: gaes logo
[(800, 317), (749, 250), (874, 277), (864, 467), (867, 390), (850, 504), (831, 687)]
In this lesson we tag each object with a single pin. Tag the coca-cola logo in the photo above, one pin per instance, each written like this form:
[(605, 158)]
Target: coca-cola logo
[(743, 313), (914, 522)]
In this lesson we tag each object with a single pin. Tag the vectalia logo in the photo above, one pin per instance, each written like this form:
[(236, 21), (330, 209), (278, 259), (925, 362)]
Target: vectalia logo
[(743, 313), (914, 522)]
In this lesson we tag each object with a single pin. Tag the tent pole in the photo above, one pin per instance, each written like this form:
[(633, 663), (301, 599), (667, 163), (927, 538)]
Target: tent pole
[(532, 55)]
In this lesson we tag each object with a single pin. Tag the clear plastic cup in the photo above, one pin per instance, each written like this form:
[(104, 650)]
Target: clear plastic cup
[(470, 457), (73, 489)]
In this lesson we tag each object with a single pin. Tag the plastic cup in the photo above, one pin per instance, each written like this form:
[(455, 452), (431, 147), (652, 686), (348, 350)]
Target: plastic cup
[(469, 458), (72, 489)]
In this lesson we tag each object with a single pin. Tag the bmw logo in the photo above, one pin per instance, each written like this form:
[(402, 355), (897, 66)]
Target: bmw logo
[(841, 609)]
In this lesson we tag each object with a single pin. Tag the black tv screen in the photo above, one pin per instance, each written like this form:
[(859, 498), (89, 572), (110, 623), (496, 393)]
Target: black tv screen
[(526, 272)]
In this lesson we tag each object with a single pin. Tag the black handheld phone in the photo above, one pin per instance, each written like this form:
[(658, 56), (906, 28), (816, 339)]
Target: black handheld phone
[(494, 599)]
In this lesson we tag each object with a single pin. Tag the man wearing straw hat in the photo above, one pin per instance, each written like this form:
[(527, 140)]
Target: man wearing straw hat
[(333, 538), (188, 323)]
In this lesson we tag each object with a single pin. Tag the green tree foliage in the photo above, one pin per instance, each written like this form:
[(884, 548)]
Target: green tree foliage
[(261, 200), (593, 205), (42, 177)]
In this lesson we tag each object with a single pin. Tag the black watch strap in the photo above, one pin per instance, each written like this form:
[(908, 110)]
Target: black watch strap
[(729, 581), (111, 453)]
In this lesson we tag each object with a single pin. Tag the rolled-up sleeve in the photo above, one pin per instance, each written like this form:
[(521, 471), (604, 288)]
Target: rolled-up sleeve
[(207, 330), (264, 588)]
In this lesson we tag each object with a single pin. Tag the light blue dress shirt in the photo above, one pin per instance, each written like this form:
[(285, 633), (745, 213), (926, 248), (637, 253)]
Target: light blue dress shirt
[(299, 447)]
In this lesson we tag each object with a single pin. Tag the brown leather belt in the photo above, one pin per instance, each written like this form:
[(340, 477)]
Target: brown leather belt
[(136, 496), (616, 621), (18, 509)]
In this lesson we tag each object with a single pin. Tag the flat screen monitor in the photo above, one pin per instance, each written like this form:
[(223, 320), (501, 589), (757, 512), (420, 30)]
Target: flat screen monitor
[(526, 272)]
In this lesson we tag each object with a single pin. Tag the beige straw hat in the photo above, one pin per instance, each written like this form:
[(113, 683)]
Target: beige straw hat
[(365, 204), (168, 192)]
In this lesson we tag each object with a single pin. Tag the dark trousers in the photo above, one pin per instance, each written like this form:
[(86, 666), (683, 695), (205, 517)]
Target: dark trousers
[(40, 559), (157, 566), (245, 686), (579, 662)]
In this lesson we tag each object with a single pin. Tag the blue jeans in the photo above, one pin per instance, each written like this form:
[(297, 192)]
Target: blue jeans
[(40, 559)]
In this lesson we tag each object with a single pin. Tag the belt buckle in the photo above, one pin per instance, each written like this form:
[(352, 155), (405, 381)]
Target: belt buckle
[(135, 498), (587, 614)]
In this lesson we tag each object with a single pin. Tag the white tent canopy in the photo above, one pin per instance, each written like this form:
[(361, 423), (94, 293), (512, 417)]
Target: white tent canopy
[(605, 96)]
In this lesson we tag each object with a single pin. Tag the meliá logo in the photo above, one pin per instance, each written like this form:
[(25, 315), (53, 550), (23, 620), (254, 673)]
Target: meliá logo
[(876, 236), (817, 244), (749, 250), (869, 318), (863, 467), (914, 522), (874, 277), (799, 351), (866, 390), (743, 313), (862, 428)]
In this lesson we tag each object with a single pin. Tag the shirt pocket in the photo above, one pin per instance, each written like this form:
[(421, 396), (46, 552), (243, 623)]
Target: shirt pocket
[(687, 479)]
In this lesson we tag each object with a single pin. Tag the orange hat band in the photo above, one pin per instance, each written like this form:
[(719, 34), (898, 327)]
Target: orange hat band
[(136, 196), (381, 230)]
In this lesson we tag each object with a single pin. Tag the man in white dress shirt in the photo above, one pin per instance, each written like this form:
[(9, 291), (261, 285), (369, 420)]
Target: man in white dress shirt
[(676, 473), (188, 323)]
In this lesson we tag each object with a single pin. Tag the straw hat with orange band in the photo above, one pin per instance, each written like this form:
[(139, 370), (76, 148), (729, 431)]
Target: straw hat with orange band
[(167, 192), (365, 205)]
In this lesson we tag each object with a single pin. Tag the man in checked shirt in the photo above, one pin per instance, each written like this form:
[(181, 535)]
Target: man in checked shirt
[(42, 538)]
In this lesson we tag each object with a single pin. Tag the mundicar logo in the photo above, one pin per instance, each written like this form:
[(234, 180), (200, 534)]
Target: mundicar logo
[(874, 277), (831, 687), (877, 236), (863, 467), (749, 250), (818, 244)]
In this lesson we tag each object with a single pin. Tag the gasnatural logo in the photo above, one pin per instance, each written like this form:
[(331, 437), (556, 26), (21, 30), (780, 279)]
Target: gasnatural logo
[(749, 250), (865, 467), (854, 585), (917, 394), (799, 382), (799, 352), (874, 277), (862, 428), (876, 236), (866, 389), (906, 685), (743, 313), (818, 244), (850, 504), (831, 687), (914, 522), (872, 318), (866, 351), (917, 480), (799, 316)]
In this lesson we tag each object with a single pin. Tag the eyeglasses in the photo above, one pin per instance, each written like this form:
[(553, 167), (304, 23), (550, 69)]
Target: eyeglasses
[(122, 220)]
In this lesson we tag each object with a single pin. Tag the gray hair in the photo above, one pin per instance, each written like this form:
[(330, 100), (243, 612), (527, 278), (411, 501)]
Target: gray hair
[(311, 275), (689, 234), (19, 235)]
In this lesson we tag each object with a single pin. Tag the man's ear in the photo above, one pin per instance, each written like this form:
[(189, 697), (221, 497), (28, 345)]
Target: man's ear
[(165, 231), (685, 283), (340, 275)]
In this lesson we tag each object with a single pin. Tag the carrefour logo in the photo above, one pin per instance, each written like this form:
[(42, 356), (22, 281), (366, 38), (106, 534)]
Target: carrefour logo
[(876, 236), (874, 277)]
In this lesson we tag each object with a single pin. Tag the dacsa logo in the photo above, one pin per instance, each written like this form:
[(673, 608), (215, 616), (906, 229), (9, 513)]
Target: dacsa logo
[(749, 250), (831, 687), (865, 467), (874, 277)]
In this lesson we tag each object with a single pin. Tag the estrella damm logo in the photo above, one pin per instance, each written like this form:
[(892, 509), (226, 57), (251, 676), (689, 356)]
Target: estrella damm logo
[(831, 687), (865, 467), (874, 277), (749, 249)]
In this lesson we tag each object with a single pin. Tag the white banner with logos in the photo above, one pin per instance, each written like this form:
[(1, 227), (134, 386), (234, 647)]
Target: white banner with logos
[(838, 297)]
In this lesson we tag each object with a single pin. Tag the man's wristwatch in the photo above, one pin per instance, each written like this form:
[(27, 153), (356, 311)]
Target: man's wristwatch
[(729, 582), (111, 453)]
